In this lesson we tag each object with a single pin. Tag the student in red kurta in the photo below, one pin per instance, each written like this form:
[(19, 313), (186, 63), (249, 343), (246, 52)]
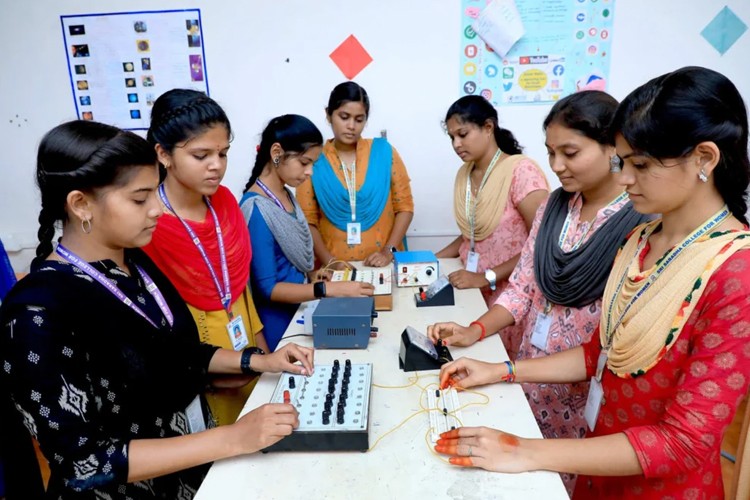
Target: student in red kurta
[(671, 358)]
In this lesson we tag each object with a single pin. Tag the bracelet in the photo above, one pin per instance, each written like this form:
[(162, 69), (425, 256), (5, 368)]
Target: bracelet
[(245, 360), (511, 376), (319, 289), (480, 325)]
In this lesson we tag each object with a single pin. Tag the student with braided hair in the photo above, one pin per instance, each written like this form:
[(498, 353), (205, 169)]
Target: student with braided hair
[(283, 259), (101, 357), (202, 243)]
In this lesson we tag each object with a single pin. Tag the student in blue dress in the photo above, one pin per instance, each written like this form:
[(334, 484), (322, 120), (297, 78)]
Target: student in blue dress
[(281, 271)]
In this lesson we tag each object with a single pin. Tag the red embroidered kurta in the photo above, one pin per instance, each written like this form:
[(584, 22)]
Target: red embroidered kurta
[(676, 413)]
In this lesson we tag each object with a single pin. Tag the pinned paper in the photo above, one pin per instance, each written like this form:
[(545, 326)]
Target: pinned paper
[(499, 25)]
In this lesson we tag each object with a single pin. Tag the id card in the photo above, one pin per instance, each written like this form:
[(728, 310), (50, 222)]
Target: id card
[(237, 334), (194, 414), (472, 262), (354, 233), (593, 403), (541, 331)]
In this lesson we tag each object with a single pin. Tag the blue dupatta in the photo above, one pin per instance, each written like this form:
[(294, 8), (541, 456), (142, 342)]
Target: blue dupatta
[(333, 196)]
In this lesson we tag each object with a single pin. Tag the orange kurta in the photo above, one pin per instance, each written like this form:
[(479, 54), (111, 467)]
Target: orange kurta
[(375, 238)]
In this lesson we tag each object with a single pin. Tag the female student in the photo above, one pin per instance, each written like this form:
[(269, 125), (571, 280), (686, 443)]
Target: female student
[(100, 354), (497, 192), (281, 241), (555, 291), (201, 243), (670, 360), (358, 201)]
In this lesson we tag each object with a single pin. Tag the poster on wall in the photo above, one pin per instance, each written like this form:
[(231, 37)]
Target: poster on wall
[(565, 46), (119, 63)]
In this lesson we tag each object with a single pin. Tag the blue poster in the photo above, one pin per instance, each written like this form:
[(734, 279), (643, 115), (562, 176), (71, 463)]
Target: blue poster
[(566, 46)]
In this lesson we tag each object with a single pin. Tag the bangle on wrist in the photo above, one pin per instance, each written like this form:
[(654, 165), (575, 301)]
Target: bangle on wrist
[(319, 289), (511, 376), (245, 360), (481, 326)]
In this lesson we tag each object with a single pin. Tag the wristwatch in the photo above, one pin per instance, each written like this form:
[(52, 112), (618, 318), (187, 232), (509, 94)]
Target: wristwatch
[(245, 359), (490, 276)]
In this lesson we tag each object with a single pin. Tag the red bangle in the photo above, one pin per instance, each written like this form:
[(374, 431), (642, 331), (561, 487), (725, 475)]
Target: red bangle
[(484, 330)]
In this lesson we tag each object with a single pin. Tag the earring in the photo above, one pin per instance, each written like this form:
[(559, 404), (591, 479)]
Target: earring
[(276, 161), (86, 226), (702, 176), (615, 164)]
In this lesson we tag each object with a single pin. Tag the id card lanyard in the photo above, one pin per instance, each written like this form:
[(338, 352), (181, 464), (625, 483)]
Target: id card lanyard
[(354, 228), (115, 290), (225, 292), (471, 204), (193, 411), (270, 194), (569, 220), (596, 391)]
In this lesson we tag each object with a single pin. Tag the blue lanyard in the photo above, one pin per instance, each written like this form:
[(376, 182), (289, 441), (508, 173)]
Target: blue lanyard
[(115, 290), (225, 293), (707, 226), (270, 194)]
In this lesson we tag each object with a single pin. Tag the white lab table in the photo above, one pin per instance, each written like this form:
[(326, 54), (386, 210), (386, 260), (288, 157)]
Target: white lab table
[(400, 465)]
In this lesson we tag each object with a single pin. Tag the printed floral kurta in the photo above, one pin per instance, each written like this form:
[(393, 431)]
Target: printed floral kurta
[(558, 408)]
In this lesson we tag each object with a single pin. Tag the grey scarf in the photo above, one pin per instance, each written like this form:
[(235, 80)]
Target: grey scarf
[(291, 232), (577, 278)]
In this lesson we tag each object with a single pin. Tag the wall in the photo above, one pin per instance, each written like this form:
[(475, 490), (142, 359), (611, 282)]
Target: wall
[(412, 81)]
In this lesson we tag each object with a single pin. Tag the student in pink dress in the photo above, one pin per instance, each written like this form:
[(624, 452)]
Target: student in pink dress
[(496, 194)]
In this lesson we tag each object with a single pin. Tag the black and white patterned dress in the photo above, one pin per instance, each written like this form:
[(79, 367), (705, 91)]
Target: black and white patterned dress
[(87, 374)]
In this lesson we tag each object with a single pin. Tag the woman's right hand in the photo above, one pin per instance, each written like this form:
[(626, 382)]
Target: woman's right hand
[(265, 426), (454, 334), (348, 289), (466, 372)]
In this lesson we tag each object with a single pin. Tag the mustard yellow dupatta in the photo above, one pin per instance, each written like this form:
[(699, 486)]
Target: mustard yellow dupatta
[(652, 324)]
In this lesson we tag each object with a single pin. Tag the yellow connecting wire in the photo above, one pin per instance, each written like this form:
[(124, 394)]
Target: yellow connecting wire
[(423, 409)]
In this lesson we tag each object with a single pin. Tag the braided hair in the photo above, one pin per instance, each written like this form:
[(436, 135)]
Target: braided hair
[(84, 156), (294, 133), (179, 115)]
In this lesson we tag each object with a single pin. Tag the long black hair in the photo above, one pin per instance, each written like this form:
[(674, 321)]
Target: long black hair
[(84, 156), (671, 114), (181, 114), (347, 92), (589, 112), (477, 110), (294, 133)]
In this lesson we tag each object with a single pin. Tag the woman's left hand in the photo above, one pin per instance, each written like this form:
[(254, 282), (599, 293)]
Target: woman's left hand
[(379, 259), (463, 279), (284, 360), (486, 448)]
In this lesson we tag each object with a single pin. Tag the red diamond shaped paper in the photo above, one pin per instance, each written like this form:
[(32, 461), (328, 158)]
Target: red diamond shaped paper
[(350, 57)]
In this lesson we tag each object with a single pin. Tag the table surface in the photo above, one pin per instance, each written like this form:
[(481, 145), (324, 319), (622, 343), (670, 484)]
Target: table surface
[(400, 465)]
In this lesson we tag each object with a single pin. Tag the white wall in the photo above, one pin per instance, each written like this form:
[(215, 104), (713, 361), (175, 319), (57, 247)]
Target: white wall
[(412, 81)]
